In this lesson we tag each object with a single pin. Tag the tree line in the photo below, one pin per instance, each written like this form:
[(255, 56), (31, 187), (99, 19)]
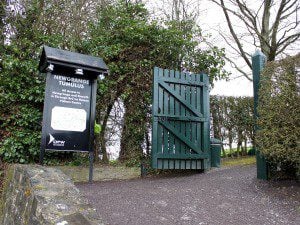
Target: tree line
[(232, 122)]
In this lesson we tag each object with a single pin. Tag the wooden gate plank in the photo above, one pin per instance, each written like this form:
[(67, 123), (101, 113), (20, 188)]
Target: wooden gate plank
[(166, 111), (183, 156), (193, 103), (199, 107), (206, 112), (181, 99), (160, 98), (181, 137), (171, 113), (154, 122), (177, 123), (183, 94), (188, 113), (181, 81), (182, 118)]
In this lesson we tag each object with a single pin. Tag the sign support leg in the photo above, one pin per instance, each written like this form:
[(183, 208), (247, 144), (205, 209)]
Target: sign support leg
[(91, 159), (42, 153)]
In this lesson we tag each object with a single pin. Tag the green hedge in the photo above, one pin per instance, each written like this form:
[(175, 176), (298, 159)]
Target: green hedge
[(278, 137)]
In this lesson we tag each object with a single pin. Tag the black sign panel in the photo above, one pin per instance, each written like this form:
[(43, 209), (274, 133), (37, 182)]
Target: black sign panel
[(67, 111)]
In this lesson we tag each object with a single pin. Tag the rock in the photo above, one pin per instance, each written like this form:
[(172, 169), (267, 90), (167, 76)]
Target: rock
[(39, 195)]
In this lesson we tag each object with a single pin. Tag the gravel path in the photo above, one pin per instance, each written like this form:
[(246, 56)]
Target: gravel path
[(221, 196)]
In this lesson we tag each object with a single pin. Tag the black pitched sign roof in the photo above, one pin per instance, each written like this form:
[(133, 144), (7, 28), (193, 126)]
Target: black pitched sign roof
[(64, 58)]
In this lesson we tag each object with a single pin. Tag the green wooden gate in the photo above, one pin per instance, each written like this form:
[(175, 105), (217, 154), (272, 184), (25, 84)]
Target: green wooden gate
[(180, 129)]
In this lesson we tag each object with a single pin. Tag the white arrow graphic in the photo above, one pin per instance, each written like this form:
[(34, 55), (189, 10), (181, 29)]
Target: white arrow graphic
[(51, 139)]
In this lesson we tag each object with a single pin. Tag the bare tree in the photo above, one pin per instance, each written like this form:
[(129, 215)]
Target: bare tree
[(179, 10), (269, 25)]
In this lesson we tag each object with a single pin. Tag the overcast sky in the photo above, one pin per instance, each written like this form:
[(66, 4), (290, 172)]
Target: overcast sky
[(211, 19)]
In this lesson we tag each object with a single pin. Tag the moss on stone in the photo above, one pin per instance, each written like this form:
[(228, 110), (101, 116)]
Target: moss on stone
[(7, 179), (39, 187)]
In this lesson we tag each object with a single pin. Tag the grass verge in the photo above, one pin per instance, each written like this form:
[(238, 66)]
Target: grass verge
[(247, 160), (100, 172)]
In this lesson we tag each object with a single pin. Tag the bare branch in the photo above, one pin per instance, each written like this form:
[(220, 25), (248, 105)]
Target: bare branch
[(286, 32), (276, 24), (234, 65), (286, 42), (283, 17), (240, 47), (290, 6), (246, 12)]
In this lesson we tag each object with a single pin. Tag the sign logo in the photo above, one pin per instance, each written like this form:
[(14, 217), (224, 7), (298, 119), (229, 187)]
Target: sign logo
[(55, 142), (51, 139)]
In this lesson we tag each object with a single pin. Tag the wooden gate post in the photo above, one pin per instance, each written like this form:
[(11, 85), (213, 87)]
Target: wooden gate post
[(258, 63)]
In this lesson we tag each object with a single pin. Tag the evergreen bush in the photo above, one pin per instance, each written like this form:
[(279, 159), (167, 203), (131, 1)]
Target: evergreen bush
[(279, 112)]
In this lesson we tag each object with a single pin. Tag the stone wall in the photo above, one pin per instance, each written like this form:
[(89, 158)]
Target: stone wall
[(37, 195)]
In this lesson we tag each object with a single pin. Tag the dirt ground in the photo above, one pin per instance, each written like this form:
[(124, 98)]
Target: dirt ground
[(221, 196)]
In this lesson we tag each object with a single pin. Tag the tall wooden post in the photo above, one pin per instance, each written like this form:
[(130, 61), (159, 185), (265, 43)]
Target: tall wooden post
[(258, 63)]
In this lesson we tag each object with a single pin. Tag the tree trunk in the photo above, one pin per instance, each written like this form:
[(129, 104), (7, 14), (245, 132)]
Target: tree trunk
[(230, 149), (223, 151), (238, 149), (147, 138), (96, 147), (230, 139), (133, 131), (265, 35), (245, 147), (102, 139), (239, 145)]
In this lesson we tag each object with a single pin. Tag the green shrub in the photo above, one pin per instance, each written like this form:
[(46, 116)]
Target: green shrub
[(133, 162), (279, 112), (114, 162), (21, 85), (78, 159)]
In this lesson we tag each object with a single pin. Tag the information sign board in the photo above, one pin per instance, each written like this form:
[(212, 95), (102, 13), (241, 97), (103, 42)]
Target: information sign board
[(67, 113), (70, 101)]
